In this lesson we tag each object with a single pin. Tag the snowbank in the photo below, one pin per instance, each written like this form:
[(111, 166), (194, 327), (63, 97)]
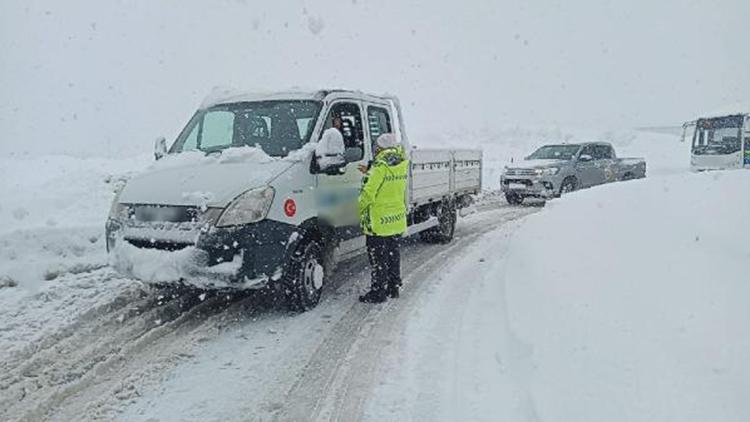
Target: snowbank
[(52, 214), (188, 264), (634, 300), (627, 302)]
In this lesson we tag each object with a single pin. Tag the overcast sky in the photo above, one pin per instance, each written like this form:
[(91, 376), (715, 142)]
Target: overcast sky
[(106, 77)]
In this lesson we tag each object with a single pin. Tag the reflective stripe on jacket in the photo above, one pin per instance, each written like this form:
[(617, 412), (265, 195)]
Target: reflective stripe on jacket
[(382, 201)]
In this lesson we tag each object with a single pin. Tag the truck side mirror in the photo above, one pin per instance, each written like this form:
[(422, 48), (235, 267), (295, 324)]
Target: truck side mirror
[(160, 148), (331, 164), (685, 128), (585, 158)]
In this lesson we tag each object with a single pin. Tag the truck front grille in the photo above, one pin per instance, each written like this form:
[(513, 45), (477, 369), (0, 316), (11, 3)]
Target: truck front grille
[(518, 181), (162, 245), (520, 172)]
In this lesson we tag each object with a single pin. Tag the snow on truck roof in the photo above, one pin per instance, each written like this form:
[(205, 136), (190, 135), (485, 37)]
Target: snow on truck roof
[(227, 96), (728, 110)]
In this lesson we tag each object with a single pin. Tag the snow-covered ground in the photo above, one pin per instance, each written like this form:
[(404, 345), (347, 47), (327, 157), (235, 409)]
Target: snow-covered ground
[(622, 302)]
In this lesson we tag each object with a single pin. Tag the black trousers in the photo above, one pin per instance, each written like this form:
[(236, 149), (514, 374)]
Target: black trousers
[(385, 261)]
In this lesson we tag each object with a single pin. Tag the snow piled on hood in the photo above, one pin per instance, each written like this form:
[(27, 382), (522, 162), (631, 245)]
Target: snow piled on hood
[(244, 154), (530, 164)]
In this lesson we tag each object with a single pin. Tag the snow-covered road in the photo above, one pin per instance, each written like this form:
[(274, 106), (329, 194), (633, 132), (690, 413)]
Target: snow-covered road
[(107, 348)]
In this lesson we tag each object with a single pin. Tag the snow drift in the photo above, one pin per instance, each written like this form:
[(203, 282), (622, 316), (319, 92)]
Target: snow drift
[(634, 299)]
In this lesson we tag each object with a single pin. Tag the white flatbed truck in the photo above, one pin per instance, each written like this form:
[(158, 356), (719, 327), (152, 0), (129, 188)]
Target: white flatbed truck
[(240, 201)]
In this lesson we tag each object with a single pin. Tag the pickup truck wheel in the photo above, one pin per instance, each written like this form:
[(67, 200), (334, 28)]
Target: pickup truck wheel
[(627, 176), (305, 277), (514, 198), (568, 185)]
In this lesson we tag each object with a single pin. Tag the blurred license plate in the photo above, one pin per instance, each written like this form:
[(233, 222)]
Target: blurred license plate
[(150, 213), (516, 186)]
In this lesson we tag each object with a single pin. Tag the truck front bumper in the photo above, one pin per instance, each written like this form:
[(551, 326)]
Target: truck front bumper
[(536, 186), (246, 256)]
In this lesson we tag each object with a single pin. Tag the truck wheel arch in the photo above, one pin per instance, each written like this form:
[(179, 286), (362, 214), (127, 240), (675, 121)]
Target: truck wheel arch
[(569, 180), (314, 230)]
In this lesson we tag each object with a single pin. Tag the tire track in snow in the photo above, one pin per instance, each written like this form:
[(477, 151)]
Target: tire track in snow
[(337, 380), (91, 347)]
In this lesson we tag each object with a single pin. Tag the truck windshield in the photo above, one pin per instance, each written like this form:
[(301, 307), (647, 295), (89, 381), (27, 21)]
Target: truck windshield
[(720, 136), (277, 127), (555, 152)]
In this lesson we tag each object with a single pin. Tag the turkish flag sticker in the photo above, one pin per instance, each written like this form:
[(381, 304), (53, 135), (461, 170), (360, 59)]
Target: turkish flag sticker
[(290, 208)]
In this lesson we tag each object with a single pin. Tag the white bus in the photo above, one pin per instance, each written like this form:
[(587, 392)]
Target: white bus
[(719, 141)]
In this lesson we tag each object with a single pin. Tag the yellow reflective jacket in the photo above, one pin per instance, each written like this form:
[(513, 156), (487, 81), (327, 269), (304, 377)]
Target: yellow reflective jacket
[(382, 200)]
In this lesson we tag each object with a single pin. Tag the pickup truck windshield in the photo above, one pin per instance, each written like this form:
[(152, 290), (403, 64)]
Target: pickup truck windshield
[(718, 136), (277, 127), (555, 152)]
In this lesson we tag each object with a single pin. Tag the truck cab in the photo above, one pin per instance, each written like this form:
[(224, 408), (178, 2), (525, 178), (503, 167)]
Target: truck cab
[(242, 199)]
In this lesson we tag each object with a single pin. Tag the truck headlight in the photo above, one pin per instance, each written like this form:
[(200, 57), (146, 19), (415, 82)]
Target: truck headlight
[(118, 211), (250, 207), (550, 171)]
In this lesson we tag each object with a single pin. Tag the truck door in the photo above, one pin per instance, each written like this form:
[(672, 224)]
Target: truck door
[(589, 173), (604, 160), (336, 195)]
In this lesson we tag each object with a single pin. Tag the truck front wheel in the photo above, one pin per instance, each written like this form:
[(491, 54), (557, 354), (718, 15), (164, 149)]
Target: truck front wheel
[(304, 277), (568, 185), (514, 198)]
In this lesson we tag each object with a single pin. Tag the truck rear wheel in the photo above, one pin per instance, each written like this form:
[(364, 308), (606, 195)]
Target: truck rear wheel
[(304, 278), (443, 232)]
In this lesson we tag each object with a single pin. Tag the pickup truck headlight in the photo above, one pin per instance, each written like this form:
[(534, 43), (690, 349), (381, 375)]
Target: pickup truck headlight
[(550, 171), (250, 207)]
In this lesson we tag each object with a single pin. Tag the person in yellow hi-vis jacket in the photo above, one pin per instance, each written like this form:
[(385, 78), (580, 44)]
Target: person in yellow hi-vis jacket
[(382, 215)]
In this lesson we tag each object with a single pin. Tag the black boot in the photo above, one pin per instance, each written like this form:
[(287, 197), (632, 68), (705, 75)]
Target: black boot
[(373, 296), (392, 291)]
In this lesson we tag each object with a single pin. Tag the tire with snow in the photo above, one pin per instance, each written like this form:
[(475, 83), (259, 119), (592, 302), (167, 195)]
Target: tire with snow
[(304, 277), (514, 198), (568, 185), (443, 232)]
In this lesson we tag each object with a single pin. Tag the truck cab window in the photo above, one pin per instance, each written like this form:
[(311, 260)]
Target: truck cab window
[(379, 122), (276, 127), (588, 150), (216, 130), (348, 120), (602, 152)]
